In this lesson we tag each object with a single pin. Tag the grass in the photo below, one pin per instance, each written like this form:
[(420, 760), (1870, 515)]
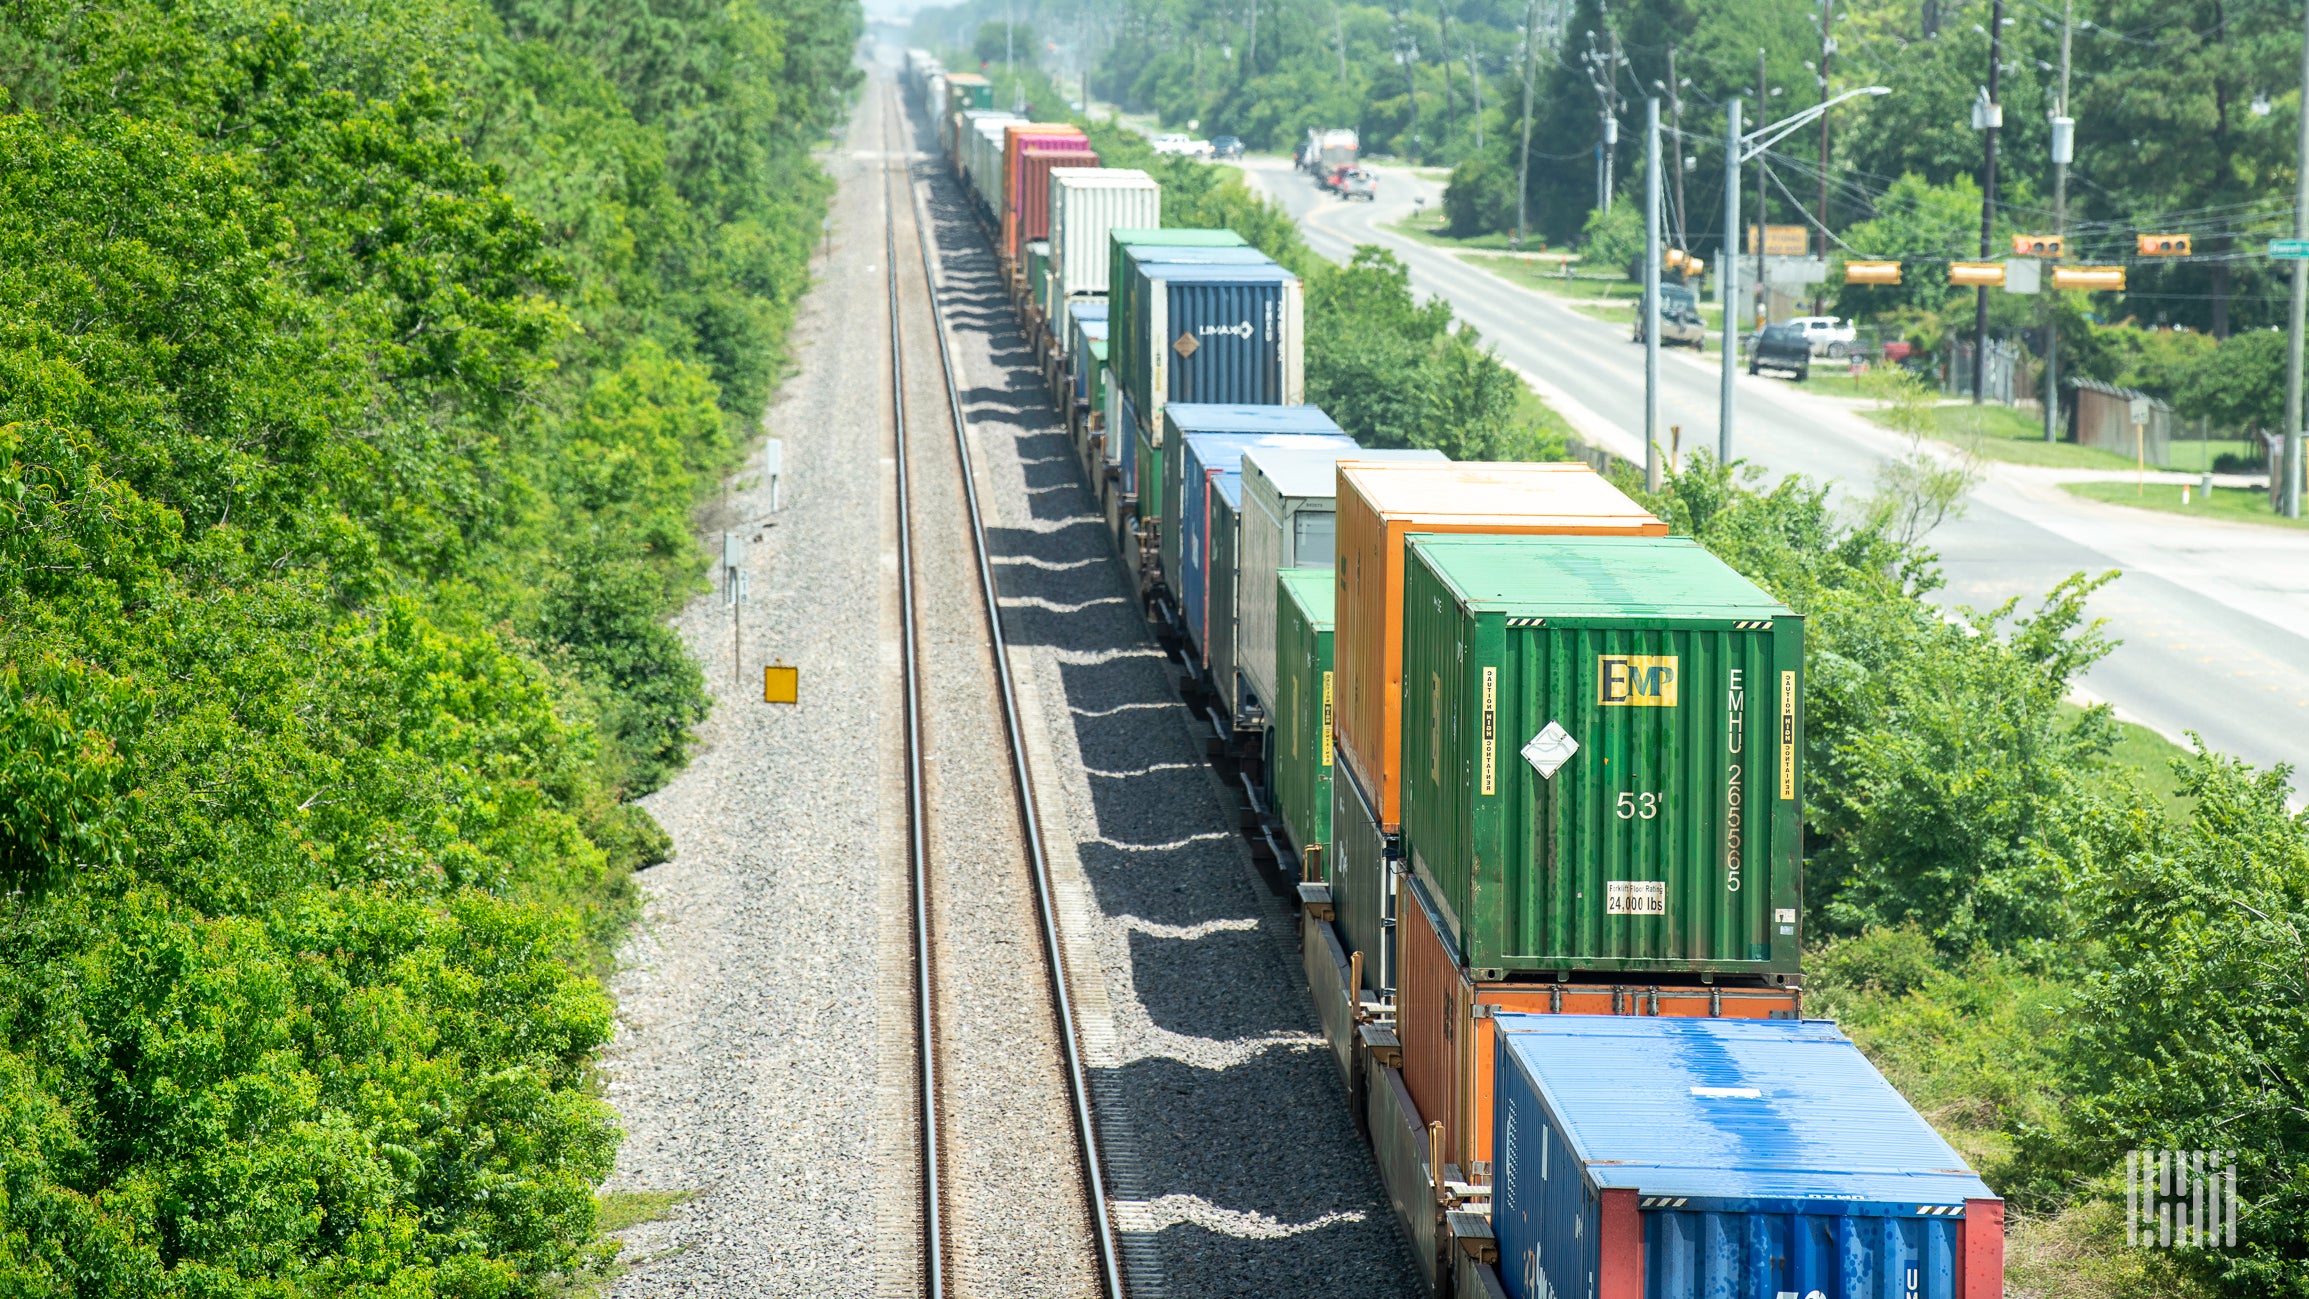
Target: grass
[(2144, 756), (622, 1209), (2012, 436), (1426, 230), (2232, 504), (2196, 457)]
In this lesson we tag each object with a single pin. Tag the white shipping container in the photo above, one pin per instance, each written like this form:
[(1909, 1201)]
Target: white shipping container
[(1085, 204), (1289, 517), (986, 172), (975, 123)]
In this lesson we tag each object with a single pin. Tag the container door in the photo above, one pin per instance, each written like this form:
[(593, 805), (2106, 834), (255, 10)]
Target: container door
[(1644, 841), (1223, 344)]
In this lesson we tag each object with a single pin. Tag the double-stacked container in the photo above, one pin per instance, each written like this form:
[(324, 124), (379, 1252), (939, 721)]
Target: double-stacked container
[(1692, 1158), (1087, 204), (1031, 157), (1000, 187), (1299, 742), (1289, 521), (1210, 333), (1207, 442), (982, 134), (1127, 343), (1379, 505)]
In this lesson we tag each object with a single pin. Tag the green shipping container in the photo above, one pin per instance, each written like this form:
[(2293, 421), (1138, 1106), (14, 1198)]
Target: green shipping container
[(1602, 747), (1360, 889), (1150, 467), (1038, 275), (1299, 746)]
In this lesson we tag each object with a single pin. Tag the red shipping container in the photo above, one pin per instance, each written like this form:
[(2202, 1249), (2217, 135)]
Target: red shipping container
[(1015, 136), (1030, 195)]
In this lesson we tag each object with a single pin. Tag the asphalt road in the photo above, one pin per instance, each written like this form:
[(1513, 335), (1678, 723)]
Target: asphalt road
[(2212, 619)]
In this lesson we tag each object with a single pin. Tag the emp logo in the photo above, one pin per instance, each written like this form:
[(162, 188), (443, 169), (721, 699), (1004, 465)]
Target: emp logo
[(1636, 680), (2181, 1197), (1242, 330)]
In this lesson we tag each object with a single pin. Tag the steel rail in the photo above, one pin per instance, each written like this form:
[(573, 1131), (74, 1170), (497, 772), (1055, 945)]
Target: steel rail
[(1030, 816), (918, 845)]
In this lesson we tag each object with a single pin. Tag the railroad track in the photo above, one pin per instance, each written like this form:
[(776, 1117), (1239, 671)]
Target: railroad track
[(923, 859)]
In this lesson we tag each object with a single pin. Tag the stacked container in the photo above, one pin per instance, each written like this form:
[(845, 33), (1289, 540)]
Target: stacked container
[(1688, 1158), (1208, 443), (983, 130), (1213, 333), (1378, 506), (1300, 743), (1030, 157), (1086, 205), (1288, 522)]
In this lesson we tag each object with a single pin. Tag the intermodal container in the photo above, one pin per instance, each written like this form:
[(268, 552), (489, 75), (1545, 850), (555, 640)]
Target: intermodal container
[(1000, 187), (1602, 755), (1223, 433), (1380, 504), (1692, 1158), (1362, 885), (1127, 244), (1085, 322), (1142, 470), (964, 135), (969, 90), (1215, 334), (1086, 206), (1038, 273), (1223, 512), (984, 144), (1026, 201), (1092, 364), (1122, 294), (1299, 748), (1288, 522), (1444, 1019)]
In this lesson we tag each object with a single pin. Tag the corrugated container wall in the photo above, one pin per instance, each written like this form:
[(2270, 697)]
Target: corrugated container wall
[(1299, 750), (1127, 246), (1038, 272), (1231, 334), (1444, 1019), (1357, 861), (1203, 459), (970, 90), (1652, 826), (1288, 522), (1026, 193), (1123, 296), (1692, 1158), (1378, 506), (1001, 197), (1223, 506), (1087, 205), (1280, 426), (985, 144), (1085, 322)]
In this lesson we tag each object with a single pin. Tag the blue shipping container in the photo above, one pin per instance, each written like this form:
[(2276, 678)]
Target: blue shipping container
[(1664, 1158), (1204, 457), (1204, 333), (1088, 317), (1167, 456)]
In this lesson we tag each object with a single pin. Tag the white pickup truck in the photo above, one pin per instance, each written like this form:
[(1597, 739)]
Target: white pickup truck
[(1186, 146)]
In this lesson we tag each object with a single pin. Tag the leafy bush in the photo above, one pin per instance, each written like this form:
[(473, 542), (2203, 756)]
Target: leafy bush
[(1614, 240), (1480, 199)]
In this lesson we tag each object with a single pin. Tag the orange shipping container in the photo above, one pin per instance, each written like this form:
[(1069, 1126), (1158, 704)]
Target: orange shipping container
[(1380, 504), (1444, 1021)]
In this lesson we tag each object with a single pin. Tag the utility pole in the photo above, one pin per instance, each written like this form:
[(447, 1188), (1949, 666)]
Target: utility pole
[(1728, 275), (1408, 53), (2063, 152), (1339, 33), (1443, 21), (2300, 314), (1763, 200), (1475, 78), (1827, 52), (1523, 169), (1676, 136), (1993, 119), (1651, 305)]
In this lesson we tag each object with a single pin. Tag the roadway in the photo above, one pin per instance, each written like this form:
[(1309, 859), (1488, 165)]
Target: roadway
[(2210, 617)]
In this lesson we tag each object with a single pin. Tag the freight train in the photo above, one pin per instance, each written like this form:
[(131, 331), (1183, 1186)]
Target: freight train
[(1530, 768)]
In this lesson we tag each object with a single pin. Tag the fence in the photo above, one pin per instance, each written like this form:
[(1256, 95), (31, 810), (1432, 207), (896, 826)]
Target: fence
[(2101, 415), (2004, 377)]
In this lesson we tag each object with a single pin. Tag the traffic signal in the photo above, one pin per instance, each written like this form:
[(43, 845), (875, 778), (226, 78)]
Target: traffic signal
[(2164, 245), (2039, 246)]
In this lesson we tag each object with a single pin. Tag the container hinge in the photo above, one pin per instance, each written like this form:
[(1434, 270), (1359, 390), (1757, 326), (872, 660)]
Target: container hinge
[(1715, 1003), (1555, 1000), (1655, 1002), (1619, 1001), (1481, 1010)]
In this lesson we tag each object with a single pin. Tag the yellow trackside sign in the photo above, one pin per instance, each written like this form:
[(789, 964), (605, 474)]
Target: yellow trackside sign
[(1636, 680)]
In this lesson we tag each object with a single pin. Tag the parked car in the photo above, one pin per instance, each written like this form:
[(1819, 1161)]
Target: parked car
[(1226, 146), (1783, 347), (1186, 146), (1355, 182), (1680, 320), (1827, 335)]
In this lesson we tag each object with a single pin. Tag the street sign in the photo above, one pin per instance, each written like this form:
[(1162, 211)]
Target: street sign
[(1795, 270), (1872, 272), (1781, 241), (2292, 250), (2089, 277), (2023, 275)]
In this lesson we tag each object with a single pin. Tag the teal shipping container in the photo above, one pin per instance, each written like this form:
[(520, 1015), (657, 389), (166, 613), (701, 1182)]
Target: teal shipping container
[(1299, 745), (1602, 755)]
